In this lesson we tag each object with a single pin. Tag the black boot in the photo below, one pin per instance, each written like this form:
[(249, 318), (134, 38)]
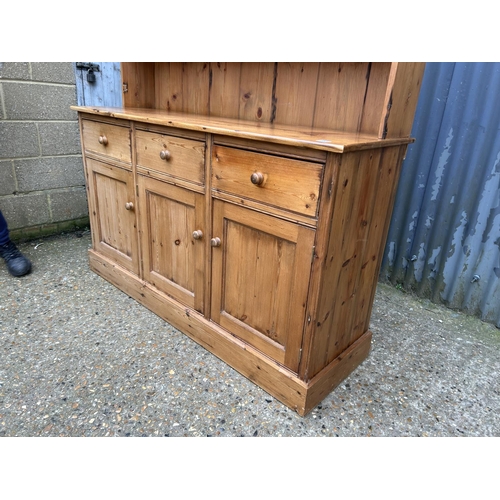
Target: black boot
[(17, 263)]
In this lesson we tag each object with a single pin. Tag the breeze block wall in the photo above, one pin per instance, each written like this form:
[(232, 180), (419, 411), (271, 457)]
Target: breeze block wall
[(42, 185)]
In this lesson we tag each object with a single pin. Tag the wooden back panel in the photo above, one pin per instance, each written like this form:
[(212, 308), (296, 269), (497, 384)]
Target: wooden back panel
[(371, 98)]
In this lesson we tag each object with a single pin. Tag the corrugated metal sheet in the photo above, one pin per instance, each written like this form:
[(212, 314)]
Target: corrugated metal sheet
[(444, 238)]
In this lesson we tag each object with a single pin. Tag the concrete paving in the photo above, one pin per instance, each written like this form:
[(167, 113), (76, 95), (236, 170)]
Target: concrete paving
[(78, 357)]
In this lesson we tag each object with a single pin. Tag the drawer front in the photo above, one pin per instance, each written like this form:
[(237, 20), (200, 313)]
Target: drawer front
[(175, 156), (282, 182), (107, 140)]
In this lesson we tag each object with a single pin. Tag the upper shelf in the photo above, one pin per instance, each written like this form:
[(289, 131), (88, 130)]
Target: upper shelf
[(299, 136), (377, 99)]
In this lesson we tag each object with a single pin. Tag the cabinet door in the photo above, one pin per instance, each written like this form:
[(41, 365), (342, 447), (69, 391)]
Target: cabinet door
[(173, 240), (260, 278), (112, 213)]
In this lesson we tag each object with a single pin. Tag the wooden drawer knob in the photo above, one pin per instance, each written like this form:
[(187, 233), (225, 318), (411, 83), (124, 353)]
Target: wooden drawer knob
[(165, 155), (257, 178), (129, 205), (215, 242), (197, 235), (103, 140)]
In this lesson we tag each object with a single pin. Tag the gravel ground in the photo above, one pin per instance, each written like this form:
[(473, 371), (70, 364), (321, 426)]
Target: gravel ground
[(78, 357)]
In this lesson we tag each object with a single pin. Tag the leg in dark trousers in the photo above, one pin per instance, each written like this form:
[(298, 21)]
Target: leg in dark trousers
[(4, 230), (17, 263)]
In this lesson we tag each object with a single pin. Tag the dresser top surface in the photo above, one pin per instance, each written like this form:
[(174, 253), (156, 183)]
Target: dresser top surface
[(326, 140)]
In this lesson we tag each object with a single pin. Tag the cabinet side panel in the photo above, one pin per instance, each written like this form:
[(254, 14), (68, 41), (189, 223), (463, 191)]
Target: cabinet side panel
[(344, 224), (385, 202), (89, 189), (366, 188), (138, 79)]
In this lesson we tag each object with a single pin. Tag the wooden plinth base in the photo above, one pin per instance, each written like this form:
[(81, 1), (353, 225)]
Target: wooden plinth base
[(281, 383)]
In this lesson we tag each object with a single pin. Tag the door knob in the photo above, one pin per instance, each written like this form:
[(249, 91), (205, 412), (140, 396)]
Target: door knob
[(103, 140), (197, 235), (257, 178), (165, 155), (129, 205), (215, 242)]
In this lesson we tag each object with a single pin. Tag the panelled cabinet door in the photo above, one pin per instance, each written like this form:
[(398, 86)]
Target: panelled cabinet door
[(173, 240), (113, 214), (260, 277)]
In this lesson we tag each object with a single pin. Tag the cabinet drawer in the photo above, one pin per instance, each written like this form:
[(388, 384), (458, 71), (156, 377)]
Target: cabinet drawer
[(107, 140), (175, 156), (283, 182)]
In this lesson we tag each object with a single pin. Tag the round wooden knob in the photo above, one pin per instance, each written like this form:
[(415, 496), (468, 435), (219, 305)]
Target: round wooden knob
[(103, 140), (215, 242), (197, 235), (165, 155), (129, 205), (257, 178)]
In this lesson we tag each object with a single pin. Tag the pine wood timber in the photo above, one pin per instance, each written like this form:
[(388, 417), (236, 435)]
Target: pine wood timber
[(275, 379), (335, 82), (338, 96), (138, 81), (186, 158), (256, 85), (111, 189), (269, 209), (384, 230), (406, 80), (176, 181), (354, 97), (207, 279), (226, 77), (338, 370), (173, 261), (258, 291), (248, 205), (375, 101), (272, 377), (107, 140), (297, 136), (182, 87), (137, 203), (289, 184), (366, 186), (328, 196), (315, 155), (172, 131), (297, 79)]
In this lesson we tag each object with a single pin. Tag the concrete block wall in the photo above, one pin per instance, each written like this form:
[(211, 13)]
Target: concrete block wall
[(42, 185)]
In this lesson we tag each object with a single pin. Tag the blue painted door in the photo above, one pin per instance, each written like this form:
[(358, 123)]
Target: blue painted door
[(105, 90)]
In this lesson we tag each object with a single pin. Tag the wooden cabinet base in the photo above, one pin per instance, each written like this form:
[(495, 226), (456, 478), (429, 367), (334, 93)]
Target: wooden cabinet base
[(281, 383), (248, 205)]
